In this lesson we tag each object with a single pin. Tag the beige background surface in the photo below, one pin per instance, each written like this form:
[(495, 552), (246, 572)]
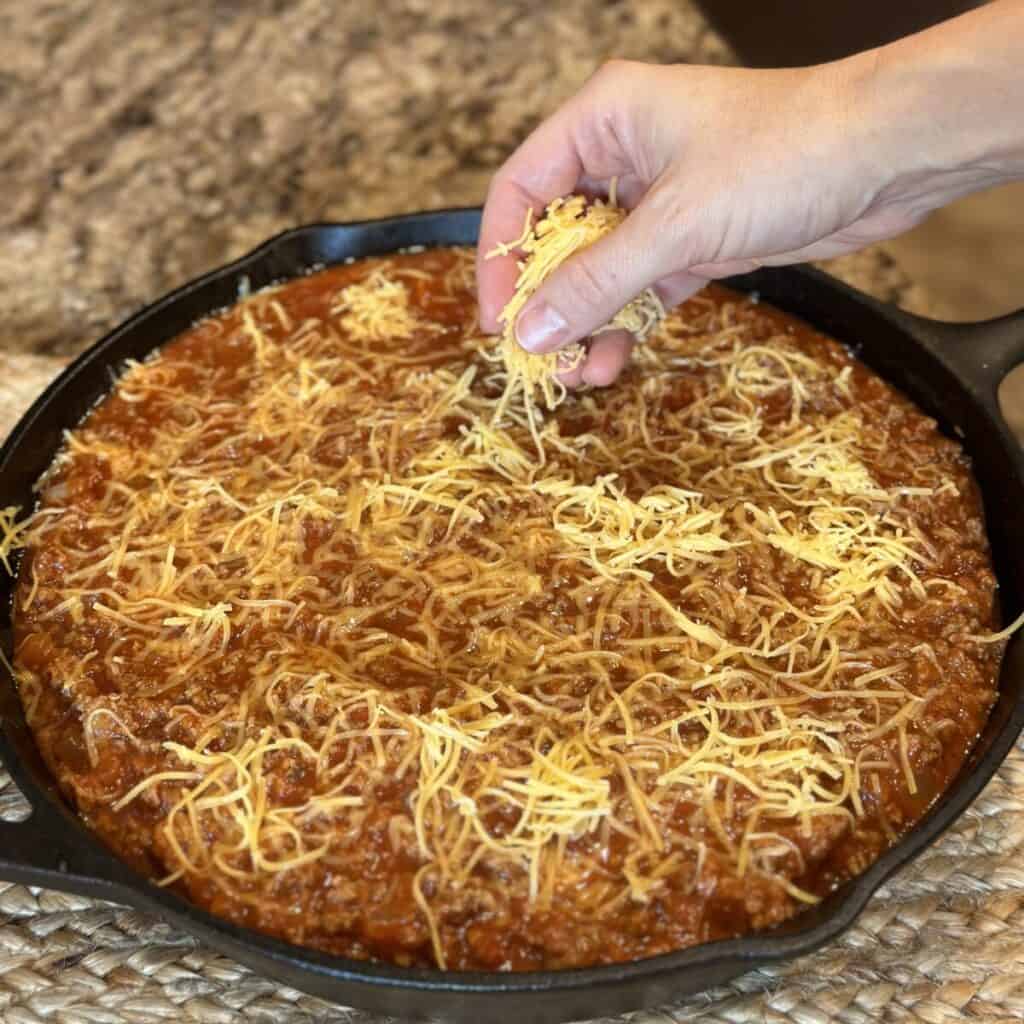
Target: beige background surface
[(969, 261), (141, 144)]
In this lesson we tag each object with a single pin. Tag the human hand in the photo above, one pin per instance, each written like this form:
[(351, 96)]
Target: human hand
[(723, 170)]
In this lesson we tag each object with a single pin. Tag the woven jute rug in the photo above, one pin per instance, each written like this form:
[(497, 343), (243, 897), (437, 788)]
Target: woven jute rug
[(942, 942)]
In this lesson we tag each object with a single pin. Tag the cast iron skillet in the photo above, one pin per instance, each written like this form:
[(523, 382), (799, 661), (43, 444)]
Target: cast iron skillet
[(951, 371)]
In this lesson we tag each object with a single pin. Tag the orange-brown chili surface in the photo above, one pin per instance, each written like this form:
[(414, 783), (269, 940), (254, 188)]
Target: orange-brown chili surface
[(315, 626)]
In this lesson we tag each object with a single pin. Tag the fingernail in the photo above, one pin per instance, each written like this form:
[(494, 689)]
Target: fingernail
[(541, 328)]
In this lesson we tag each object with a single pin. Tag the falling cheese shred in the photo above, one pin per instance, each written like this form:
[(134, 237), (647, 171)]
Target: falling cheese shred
[(378, 598)]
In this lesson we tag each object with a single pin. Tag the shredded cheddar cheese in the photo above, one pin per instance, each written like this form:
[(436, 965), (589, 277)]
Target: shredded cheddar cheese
[(11, 535), (384, 602), (378, 310), (568, 225)]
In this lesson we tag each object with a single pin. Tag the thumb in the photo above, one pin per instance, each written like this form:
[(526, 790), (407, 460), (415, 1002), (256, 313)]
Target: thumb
[(590, 287)]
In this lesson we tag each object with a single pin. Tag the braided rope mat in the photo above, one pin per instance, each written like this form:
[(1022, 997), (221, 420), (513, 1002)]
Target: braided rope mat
[(942, 942)]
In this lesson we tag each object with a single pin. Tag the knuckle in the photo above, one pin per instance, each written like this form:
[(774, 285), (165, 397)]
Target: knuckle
[(504, 178), (616, 66), (611, 71), (610, 67)]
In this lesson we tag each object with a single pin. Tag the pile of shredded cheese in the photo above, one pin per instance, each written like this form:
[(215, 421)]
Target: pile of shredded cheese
[(569, 224), (341, 602), (377, 310)]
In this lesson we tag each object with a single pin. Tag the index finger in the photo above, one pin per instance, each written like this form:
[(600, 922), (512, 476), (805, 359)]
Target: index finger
[(546, 165)]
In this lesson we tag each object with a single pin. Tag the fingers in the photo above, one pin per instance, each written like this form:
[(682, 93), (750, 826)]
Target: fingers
[(507, 204), (608, 355), (586, 291), (609, 351), (584, 144), (576, 148), (545, 166), (572, 378), (606, 358)]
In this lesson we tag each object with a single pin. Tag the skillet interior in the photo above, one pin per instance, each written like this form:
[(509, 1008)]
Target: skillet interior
[(940, 366)]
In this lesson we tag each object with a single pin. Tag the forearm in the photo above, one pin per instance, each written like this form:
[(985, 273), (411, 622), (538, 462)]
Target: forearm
[(724, 170), (945, 107)]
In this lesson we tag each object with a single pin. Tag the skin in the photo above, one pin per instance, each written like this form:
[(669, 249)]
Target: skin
[(725, 169)]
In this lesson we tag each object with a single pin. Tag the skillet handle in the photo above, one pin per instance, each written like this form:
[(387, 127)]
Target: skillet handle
[(981, 354)]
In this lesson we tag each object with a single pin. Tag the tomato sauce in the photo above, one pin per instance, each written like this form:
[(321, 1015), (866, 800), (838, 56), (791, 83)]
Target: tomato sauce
[(308, 633)]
